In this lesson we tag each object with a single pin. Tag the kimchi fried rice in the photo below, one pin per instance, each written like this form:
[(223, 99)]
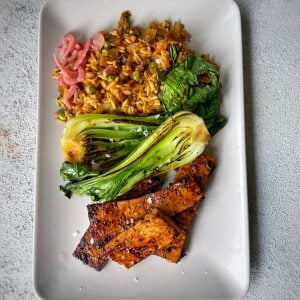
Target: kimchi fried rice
[(117, 71)]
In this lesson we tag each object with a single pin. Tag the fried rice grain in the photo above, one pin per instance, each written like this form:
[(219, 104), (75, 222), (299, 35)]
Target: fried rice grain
[(122, 77)]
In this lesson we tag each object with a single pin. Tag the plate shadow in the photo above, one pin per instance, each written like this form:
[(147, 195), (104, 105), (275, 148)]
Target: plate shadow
[(250, 140)]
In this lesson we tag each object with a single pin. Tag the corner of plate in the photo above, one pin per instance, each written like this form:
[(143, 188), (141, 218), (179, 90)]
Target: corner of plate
[(37, 290), (44, 8), (245, 288), (235, 7)]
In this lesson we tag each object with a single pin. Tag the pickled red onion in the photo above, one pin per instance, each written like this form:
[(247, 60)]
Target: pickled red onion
[(97, 41), (64, 70), (72, 92), (82, 54), (68, 44)]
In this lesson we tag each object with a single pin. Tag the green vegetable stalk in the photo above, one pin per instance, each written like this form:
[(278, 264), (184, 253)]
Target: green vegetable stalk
[(173, 54), (177, 141), (104, 139)]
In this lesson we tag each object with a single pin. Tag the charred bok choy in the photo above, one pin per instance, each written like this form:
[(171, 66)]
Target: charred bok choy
[(177, 141), (104, 139)]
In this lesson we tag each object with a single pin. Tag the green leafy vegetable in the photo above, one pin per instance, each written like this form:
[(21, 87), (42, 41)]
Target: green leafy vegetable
[(177, 141), (76, 172), (215, 123), (152, 65), (105, 139), (137, 76), (162, 75), (184, 90), (61, 115), (106, 45), (111, 78), (90, 89), (173, 54)]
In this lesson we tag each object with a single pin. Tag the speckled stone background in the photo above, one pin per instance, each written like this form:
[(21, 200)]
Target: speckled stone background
[(271, 33)]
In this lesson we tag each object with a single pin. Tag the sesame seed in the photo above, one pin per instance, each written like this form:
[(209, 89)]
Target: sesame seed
[(149, 200), (75, 233)]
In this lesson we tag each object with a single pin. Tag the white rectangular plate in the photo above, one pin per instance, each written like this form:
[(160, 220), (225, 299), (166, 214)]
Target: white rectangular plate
[(217, 261)]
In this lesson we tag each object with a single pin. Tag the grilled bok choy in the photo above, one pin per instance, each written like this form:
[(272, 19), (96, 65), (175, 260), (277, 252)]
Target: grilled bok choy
[(177, 141), (104, 139)]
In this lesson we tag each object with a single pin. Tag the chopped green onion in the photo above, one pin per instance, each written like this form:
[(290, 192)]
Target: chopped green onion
[(111, 78), (90, 89), (136, 76), (57, 102), (104, 52), (173, 54), (152, 65), (106, 45), (61, 115)]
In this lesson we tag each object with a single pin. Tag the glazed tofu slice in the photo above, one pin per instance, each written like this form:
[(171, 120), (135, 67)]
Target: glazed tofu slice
[(179, 199), (199, 170), (154, 231), (88, 252), (109, 219), (172, 200), (172, 252)]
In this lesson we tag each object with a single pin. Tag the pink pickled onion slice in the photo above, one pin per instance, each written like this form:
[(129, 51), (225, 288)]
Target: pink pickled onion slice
[(60, 79), (72, 53), (72, 57), (97, 41), (70, 93), (93, 47), (82, 54), (58, 49), (70, 81), (83, 64), (76, 95), (64, 70), (80, 76), (68, 45)]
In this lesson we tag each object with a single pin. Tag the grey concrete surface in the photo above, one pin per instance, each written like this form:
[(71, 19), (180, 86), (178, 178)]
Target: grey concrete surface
[(271, 39)]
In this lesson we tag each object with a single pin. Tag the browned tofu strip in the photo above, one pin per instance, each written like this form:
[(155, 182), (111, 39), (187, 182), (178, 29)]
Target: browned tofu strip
[(112, 218), (156, 230), (200, 169), (172, 200), (173, 252), (88, 253), (109, 219)]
